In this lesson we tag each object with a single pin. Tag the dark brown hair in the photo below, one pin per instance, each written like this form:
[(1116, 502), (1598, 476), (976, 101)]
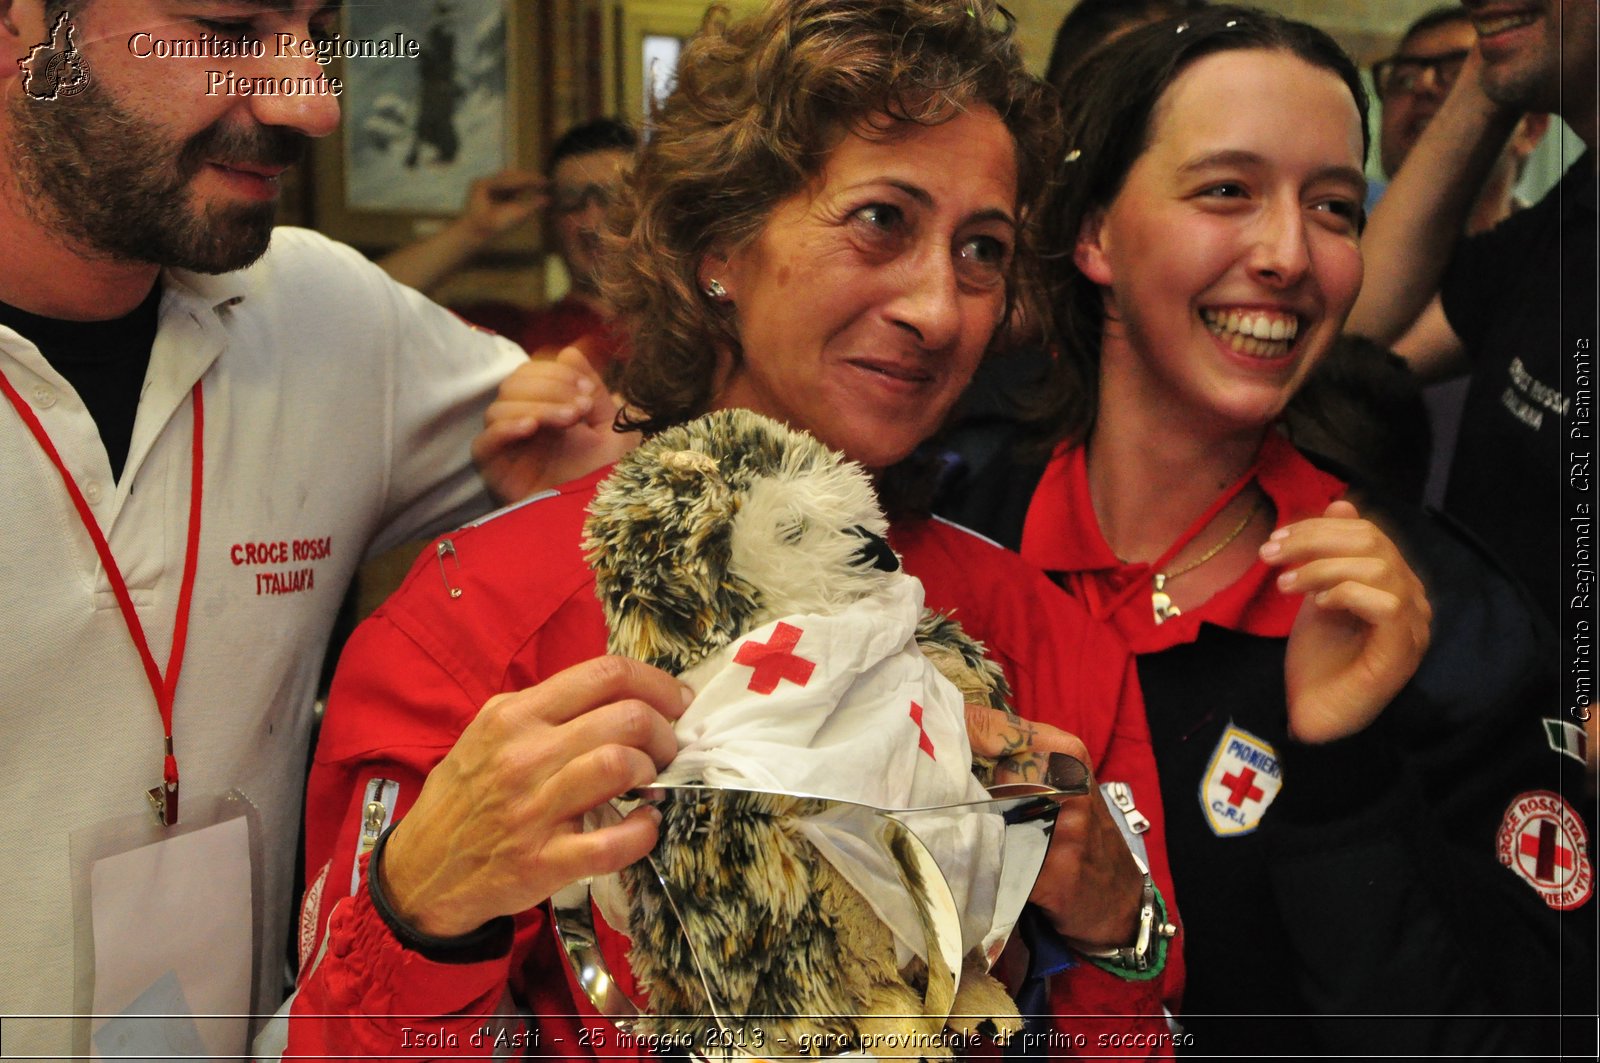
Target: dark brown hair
[(1114, 93), (587, 138), (1092, 23)]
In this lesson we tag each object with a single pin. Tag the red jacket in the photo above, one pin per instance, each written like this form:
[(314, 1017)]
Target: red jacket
[(418, 670)]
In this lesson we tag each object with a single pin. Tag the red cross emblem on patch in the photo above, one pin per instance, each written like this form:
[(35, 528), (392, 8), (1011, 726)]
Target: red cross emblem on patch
[(1544, 851), (924, 743), (775, 660), (1242, 778), (1242, 787), (1546, 843)]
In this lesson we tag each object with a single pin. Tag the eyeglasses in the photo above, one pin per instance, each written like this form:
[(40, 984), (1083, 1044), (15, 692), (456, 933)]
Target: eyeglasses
[(567, 199), (1403, 73)]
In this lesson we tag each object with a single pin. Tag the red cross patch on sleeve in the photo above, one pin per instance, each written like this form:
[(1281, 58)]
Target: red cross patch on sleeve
[(1546, 843)]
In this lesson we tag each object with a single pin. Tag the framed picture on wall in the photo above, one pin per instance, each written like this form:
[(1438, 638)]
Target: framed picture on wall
[(651, 34), (437, 93)]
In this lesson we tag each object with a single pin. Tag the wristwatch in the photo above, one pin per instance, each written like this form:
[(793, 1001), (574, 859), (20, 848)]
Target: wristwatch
[(1148, 953), (1149, 946)]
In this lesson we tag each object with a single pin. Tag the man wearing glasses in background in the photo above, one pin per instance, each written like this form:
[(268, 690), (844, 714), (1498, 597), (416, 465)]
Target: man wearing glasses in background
[(1413, 83), (1513, 307), (584, 170)]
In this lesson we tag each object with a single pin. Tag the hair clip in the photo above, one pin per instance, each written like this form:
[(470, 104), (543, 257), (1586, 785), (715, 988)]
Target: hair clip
[(1181, 27), (1074, 155)]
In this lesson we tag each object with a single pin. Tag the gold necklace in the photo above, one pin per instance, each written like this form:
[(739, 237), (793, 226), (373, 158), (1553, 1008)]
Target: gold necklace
[(1160, 601)]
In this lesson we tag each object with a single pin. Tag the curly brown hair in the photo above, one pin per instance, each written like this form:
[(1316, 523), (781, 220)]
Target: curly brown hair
[(758, 106)]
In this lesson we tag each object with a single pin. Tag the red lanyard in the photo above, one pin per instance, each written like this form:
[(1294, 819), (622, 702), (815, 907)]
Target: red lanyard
[(165, 688)]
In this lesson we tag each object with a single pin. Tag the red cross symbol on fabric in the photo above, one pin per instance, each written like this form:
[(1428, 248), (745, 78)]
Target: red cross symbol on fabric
[(1547, 851), (924, 743), (1242, 787), (776, 660)]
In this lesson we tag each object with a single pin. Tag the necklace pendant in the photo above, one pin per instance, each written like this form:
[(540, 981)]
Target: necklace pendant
[(1161, 602)]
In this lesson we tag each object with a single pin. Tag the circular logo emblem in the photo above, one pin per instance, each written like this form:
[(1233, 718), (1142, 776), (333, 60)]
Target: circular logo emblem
[(1546, 843), (66, 73)]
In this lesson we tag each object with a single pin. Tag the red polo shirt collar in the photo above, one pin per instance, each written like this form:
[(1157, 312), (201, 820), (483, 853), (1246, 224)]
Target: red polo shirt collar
[(1061, 535)]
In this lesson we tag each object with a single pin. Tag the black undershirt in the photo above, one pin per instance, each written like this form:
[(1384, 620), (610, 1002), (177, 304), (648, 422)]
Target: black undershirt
[(104, 361)]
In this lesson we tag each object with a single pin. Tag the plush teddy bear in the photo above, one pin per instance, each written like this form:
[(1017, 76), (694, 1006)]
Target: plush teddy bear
[(751, 561)]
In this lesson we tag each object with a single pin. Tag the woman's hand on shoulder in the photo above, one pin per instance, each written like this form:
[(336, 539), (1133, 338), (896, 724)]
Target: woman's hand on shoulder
[(1362, 629), (551, 422)]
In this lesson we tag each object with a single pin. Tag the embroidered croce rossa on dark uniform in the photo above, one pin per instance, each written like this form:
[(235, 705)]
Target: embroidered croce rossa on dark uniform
[(1521, 298)]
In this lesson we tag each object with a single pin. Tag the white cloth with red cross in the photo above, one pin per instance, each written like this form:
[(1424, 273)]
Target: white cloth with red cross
[(845, 706)]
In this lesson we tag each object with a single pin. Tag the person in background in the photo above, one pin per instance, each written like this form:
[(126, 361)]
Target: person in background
[(1412, 84), (1514, 307), (829, 228), (581, 178)]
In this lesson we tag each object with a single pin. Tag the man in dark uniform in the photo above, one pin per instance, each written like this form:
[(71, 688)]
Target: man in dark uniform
[(1514, 307)]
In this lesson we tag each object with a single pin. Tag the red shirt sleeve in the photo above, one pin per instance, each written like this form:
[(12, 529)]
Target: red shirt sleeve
[(392, 714), (409, 681)]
